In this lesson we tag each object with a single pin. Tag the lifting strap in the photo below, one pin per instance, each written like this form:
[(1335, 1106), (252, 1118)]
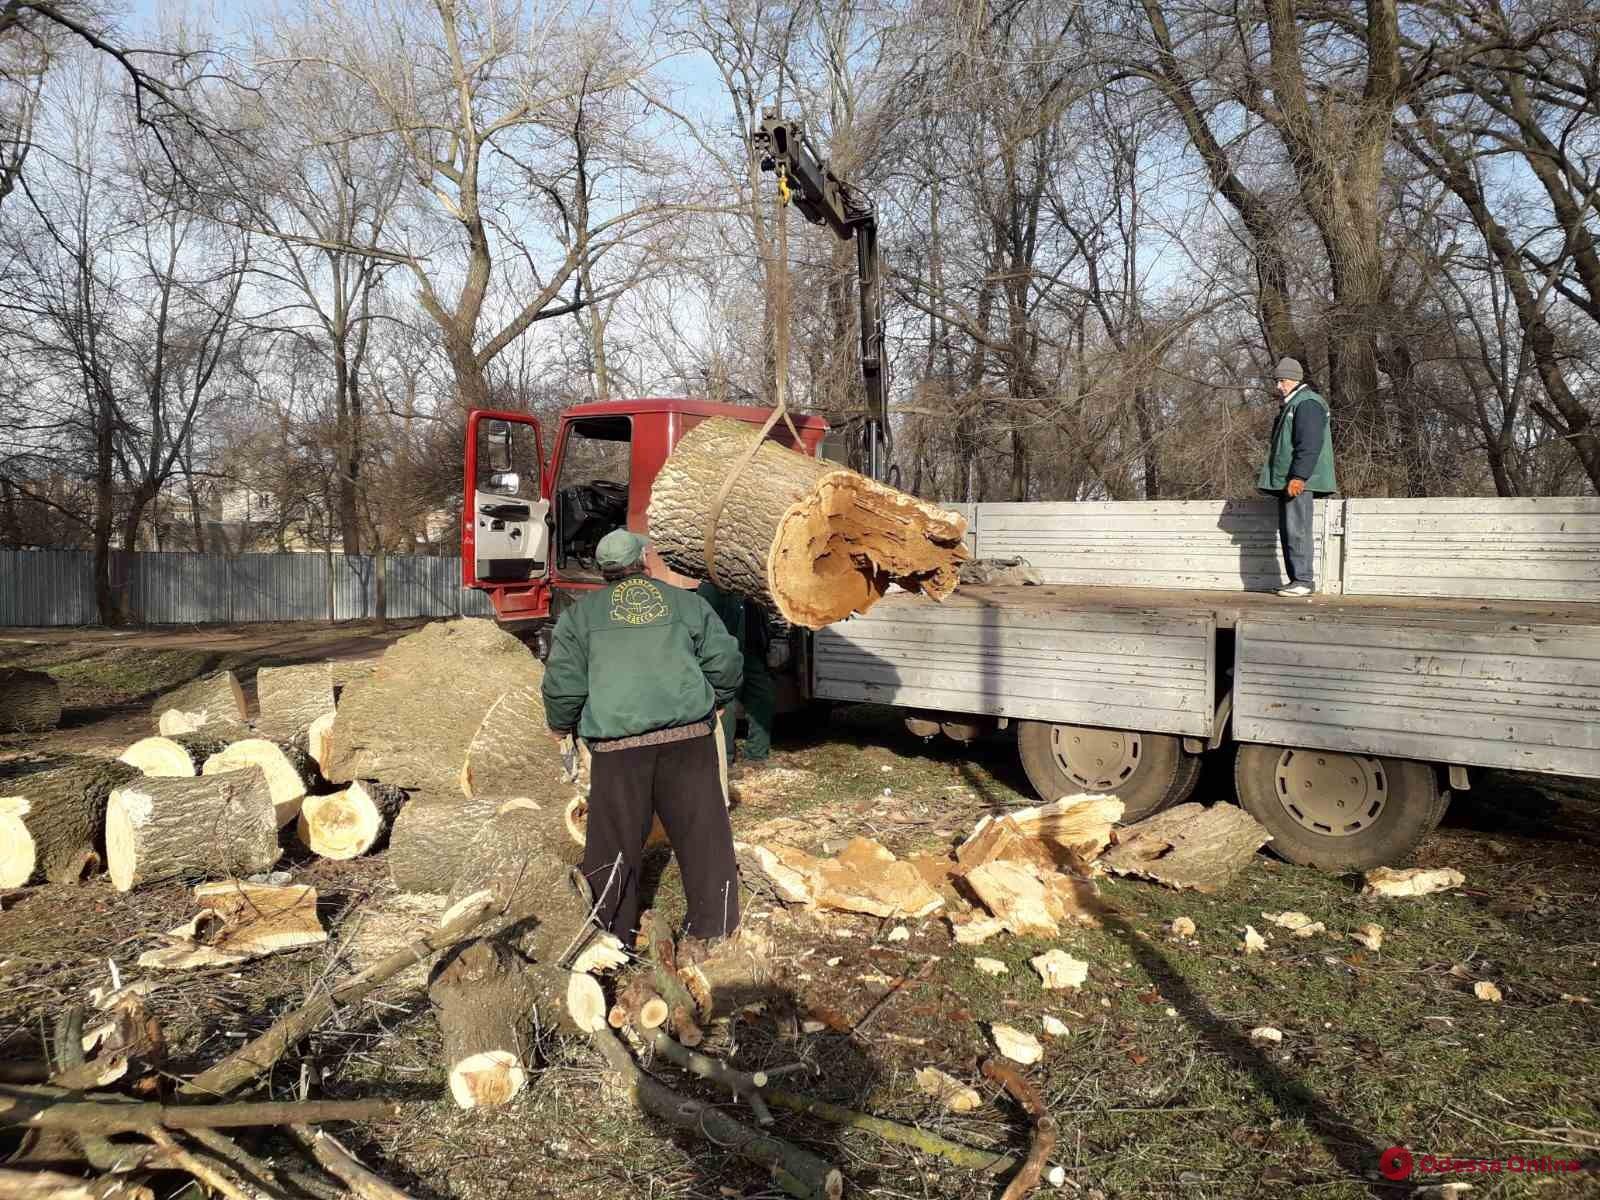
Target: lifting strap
[(778, 272)]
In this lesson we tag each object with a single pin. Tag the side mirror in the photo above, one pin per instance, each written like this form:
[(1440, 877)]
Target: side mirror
[(505, 482), (497, 440)]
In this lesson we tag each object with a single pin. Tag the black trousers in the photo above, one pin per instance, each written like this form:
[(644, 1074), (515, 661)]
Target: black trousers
[(1295, 520), (679, 781)]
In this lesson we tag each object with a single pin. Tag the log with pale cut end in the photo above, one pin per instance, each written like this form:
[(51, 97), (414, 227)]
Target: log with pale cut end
[(190, 828), (485, 1008), (290, 772), (512, 752), (30, 701), (431, 836), (292, 699), (319, 739), (352, 822), (216, 699), (586, 1003), (52, 816), (410, 722), (178, 757), (812, 541)]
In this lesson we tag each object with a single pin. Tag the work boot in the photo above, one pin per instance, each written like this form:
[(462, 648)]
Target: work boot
[(692, 951)]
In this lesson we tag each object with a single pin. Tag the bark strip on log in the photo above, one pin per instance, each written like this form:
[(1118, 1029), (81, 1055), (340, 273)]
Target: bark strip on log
[(352, 822), (289, 771), (215, 699), (292, 699), (178, 757), (812, 541), (52, 816), (214, 825), (432, 836), (512, 754), (30, 701), (485, 1006)]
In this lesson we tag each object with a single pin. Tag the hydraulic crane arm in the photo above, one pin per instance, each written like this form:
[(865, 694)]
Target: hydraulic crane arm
[(825, 199)]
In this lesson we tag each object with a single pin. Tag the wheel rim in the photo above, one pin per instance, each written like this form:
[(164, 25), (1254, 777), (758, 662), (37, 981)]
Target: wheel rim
[(1334, 795), (1095, 759)]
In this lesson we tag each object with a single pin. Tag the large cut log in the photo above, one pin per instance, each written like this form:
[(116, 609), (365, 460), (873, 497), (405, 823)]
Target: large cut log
[(193, 828), (485, 1008), (30, 701), (512, 752), (812, 541), (52, 816), (179, 757), (410, 722), (319, 741), (352, 822), (349, 670), (215, 699), (291, 699), (523, 856), (290, 772), (431, 836)]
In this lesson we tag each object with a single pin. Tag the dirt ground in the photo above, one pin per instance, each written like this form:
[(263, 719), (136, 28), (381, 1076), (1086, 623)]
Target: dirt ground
[(1157, 1086)]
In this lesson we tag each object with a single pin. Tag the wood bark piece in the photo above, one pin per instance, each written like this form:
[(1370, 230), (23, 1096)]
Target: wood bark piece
[(52, 1185), (798, 1172), (411, 721), (178, 757), (290, 772), (1043, 1142), (952, 1095), (52, 816), (350, 823), (292, 699), (216, 699), (431, 836), (1071, 833), (1189, 846), (169, 828), (485, 1009), (812, 541), (240, 921), (261, 1054), (512, 752), (30, 701), (1411, 881)]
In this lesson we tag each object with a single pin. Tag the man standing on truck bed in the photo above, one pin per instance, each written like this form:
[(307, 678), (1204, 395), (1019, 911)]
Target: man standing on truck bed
[(1299, 467), (640, 670)]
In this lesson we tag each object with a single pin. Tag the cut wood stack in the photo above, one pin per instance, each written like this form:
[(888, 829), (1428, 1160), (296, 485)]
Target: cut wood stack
[(351, 822), (215, 700), (811, 540), (52, 816), (190, 828), (30, 701), (289, 771)]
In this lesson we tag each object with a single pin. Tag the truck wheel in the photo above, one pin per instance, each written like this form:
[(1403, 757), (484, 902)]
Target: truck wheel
[(1141, 769), (1338, 812), (1185, 782)]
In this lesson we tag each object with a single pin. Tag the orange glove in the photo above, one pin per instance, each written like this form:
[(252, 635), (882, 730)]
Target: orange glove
[(1296, 486)]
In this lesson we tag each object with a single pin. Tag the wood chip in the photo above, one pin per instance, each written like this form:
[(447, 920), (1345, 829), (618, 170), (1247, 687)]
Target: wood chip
[(1288, 920), (1189, 846), (1412, 881), (1254, 943), (1059, 970), (1055, 1026), (1487, 992), (949, 1091), (1266, 1033), (1181, 927), (991, 966), (1016, 1045), (975, 930), (1369, 935)]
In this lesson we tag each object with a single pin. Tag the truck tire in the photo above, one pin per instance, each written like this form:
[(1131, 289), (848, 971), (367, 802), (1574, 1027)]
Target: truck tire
[(1338, 812), (1143, 770), (1185, 782)]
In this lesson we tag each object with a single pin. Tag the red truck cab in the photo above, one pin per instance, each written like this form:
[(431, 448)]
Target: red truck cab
[(529, 529)]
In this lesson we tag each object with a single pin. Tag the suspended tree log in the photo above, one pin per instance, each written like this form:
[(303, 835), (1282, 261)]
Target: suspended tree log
[(52, 816), (289, 771), (812, 541), (179, 757), (410, 722), (352, 822), (292, 699), (512, 752), (485, 1006), (168, 828), (30, 701), (430, 838), (216, 699)]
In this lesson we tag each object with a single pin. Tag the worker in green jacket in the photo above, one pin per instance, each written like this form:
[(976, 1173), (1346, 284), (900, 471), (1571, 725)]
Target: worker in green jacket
[(758, 695), (1299, 468), (640, 669)]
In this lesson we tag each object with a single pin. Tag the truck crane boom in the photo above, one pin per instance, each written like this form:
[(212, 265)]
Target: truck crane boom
[(825, 199)]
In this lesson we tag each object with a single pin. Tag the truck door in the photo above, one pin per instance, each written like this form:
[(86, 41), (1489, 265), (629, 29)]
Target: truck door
[(505, 543), (590, 488)]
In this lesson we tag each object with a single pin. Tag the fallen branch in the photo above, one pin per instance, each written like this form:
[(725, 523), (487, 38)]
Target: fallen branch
[(986, 1161), (798, 1172), (260, 1055), (57, 1108), (1044, 1125), (344, 1166), (681, 1005), (200, 1169), (50, 1185), (742, 1084)]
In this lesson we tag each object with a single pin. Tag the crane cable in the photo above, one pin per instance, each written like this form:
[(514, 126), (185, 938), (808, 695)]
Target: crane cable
[(778, 273)]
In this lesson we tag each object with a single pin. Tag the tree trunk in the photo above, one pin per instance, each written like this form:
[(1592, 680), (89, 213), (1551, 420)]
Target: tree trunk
[(291, 699), (289, 771), (485, 1008), (52, 816), (179, 757), (352, 822), (194, 828), (512, 752), (30, 701), (431, 837), (811, 541), (216, 699)]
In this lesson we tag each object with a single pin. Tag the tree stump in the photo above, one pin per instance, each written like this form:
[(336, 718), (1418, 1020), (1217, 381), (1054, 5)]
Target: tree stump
[(292, 700), (430, 838), (179, 757), (215, 699), (30, 701), (485, 1008), (352, 822), (191, 828), (290, 772), (52, 816), (812, 541)]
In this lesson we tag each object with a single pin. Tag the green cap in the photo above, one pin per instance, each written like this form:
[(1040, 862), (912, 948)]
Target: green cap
[(619, 549)]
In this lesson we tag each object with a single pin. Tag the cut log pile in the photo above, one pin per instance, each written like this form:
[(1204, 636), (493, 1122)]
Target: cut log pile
[(810, 540)]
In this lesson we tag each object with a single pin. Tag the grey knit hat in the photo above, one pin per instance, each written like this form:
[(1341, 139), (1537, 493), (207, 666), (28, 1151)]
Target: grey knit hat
[(1290, 368)]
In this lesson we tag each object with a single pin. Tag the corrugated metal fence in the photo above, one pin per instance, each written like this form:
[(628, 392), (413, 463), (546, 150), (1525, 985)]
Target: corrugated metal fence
[(56, 587)]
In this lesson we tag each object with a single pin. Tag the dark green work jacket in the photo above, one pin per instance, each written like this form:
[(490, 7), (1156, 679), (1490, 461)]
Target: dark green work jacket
[(1301, 447)]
